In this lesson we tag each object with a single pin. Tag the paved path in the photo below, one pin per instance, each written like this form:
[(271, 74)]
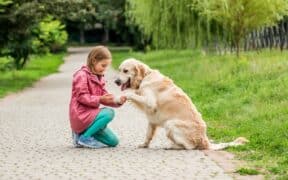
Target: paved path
[(35, 139)]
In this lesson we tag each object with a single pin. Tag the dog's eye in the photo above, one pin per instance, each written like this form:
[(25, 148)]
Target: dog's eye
[(125, 70)]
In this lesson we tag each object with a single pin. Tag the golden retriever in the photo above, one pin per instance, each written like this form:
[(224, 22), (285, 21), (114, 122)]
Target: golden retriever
[(166, 105)]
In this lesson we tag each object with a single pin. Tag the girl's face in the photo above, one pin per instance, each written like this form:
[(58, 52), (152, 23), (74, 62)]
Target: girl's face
[(101, 66)]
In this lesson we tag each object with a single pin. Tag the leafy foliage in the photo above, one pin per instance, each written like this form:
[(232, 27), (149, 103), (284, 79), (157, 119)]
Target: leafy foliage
[(171, 24), (4, 3), (50, 36), (108, 12), (194, 23), (18, 18), (83, 16), (243, 16)]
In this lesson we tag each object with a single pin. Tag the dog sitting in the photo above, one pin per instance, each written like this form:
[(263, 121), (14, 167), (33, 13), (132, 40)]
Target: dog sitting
[(167, 106)]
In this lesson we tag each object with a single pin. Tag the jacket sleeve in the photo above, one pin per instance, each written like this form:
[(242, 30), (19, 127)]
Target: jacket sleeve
[(82, 93), (110, 104)]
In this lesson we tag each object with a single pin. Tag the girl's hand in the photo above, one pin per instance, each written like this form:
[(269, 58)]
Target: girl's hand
[(107, 99), (122, 100)]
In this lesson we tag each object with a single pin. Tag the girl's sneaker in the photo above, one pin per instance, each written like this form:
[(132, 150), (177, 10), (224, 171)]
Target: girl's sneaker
[(75, 138), (90, 142)]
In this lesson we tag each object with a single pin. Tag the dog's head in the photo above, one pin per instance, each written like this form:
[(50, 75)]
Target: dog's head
[(131, 73)]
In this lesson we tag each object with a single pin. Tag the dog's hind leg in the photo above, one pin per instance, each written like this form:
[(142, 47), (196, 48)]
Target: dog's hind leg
[(174, 145), (176, 135)]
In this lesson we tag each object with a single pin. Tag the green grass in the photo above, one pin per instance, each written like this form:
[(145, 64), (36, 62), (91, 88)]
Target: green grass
[(247, 171), (37, 67), (237, 97)]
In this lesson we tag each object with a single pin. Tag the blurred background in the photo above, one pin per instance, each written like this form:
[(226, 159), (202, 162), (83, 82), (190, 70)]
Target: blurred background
[(40, 26)]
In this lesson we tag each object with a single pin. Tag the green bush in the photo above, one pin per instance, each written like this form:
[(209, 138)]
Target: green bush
[(50, 36)]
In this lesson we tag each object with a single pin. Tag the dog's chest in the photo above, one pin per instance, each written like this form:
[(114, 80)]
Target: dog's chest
[(155, 118)]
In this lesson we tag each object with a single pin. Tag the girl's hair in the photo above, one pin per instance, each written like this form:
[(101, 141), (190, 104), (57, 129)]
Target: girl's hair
[(97, 54)]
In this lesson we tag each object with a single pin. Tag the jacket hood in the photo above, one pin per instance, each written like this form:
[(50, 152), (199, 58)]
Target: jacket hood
[(96, 78)]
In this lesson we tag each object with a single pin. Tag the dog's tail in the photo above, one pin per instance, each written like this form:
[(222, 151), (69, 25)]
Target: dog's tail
[(237, 142)]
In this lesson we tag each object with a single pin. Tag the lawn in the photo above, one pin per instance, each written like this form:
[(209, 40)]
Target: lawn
[(37, 67), (237, 97)]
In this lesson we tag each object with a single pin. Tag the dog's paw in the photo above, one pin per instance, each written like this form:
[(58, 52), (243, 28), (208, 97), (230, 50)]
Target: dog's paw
[(129, 94), (143, 145), (117, 100), (174, 147)]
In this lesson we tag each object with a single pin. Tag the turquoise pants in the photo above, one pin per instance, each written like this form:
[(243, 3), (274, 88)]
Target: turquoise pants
[(99, 130)]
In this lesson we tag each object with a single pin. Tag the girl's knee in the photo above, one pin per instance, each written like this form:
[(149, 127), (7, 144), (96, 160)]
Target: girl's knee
[(109, 113)]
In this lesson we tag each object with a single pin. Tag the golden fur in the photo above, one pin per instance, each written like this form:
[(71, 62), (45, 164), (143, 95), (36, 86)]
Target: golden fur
[(167, 106)]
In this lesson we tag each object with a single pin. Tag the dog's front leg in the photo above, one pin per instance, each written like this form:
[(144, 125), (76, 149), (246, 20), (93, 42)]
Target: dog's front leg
[(150, 133), (147, 99)]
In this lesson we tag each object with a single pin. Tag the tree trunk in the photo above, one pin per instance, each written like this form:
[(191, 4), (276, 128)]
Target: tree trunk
[(270, 37), (266, 37), (25, 58), (17, 63), (238, 48), (286, 36), (82, 35), (237, 44), (246, 41), (106, 36), (281, 35)]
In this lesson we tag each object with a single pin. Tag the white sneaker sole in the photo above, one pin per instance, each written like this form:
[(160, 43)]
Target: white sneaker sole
[(89, 146), (77, 145)]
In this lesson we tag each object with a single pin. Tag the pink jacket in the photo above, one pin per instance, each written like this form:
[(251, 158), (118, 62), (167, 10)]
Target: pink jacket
[(84, 105)]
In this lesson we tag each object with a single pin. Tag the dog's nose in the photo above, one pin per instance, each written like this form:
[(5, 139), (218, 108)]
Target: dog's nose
[(118, 82)]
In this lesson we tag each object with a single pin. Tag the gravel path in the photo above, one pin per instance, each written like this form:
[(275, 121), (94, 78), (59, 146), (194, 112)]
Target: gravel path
[(36, 139)]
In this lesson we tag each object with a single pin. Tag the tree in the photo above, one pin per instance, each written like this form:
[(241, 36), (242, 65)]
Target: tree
[(49, 36), (84, 16), (4, 3), (171, 24), (104, 12), (241, 17), (194, 23), (108, 13), (17, 20)]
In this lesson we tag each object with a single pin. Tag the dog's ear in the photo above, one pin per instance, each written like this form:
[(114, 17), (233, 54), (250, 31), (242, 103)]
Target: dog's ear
[(140, 71), (139, 75)]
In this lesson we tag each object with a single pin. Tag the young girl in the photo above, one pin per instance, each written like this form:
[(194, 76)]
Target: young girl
[(88, 121)]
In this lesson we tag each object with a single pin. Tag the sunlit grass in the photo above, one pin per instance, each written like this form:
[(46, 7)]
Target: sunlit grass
[(37, 67)]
